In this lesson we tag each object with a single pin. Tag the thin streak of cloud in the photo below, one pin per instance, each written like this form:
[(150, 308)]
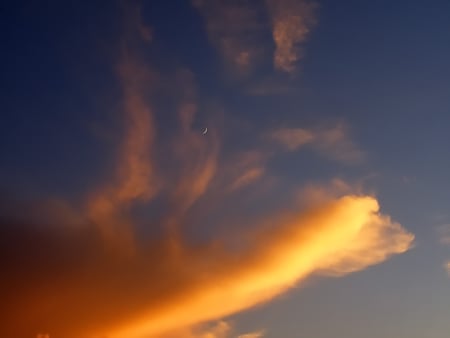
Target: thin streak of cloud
[(292, 21), (197, 154), (244, 169), (248, 177), (221, 329), (333, 142), (257, 334), (293, 138)]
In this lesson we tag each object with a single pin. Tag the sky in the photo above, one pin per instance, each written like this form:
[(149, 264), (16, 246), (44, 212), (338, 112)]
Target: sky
[(224, 169)]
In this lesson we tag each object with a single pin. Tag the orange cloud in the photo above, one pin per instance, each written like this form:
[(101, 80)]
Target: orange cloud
[(292, 21), (150, 292), (78, 281), (342, 236), (333, 142)]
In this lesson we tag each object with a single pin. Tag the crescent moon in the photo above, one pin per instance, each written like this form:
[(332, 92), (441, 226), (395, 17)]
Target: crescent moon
[(205, 131)]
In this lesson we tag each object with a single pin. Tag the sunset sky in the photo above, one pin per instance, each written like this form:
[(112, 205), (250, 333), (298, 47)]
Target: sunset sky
[(225, 169)]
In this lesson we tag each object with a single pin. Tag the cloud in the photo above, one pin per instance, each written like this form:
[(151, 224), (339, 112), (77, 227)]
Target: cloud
[(240, 30), (444, 234), (152, 292), (236, 29), (220, 329), (196, 154), (444, 238), (333, 142), (135, 177), (293, 138), (257, 334), (102, 271), (292, 21), (248, 177)]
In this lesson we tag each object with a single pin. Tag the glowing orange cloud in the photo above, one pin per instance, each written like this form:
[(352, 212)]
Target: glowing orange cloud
[(102, 292), (338, 237)]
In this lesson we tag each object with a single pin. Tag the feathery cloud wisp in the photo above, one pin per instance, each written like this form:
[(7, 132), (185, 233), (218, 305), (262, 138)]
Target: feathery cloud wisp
[(292, 21), (333, 142), (447, 267), (444, 234), (236, 29)]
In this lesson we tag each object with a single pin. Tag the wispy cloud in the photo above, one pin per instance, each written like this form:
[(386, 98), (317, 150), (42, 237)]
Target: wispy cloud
[(293, 138), (135, 177), (292, 21), (257, 334), (236, 28), (334, 142), (241, 30), (444, 234), (220, 329), (249, 176)]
